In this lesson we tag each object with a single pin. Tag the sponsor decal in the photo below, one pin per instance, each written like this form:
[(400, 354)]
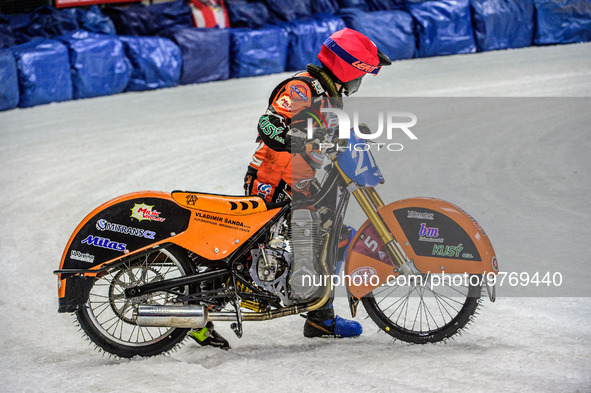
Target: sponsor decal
[(420, 215), (447, 251), (104, 225), (299, 92), (317, 87), (221, 221), (81, 256), (365, 274), (424, 230), (191, 199), (144, 212), (429, 234), (303, 184), (271, 130), (104, 243), (364, 66), (473, 220), (263, 189), (284, 102)]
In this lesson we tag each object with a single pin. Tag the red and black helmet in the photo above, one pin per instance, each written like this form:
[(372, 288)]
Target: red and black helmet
[(350, 55)]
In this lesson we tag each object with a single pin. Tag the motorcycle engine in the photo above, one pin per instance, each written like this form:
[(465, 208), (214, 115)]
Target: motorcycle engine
[(289, 264), (305, 280)]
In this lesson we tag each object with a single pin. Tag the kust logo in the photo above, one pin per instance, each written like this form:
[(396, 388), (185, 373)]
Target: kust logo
[(104, 243)]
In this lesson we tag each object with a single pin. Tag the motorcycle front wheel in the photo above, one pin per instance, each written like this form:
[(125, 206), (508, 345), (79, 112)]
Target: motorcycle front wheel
[(107, 318), (421, 312)]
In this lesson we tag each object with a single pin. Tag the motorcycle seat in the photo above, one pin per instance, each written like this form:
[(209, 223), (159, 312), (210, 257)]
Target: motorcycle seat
[(221, 204)]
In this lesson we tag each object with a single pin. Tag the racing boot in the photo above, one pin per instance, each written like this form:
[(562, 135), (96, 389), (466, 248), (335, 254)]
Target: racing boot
[(324, 323), (208, 337), (336, 327)]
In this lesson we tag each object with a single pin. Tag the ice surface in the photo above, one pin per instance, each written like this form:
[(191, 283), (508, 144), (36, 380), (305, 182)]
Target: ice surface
[(529, 189)]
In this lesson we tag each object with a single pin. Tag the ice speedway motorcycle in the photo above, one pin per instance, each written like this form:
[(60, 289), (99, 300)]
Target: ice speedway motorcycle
[(143, 269)]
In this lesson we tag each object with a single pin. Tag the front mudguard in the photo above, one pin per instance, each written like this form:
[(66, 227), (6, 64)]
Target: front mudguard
[(435, 235)]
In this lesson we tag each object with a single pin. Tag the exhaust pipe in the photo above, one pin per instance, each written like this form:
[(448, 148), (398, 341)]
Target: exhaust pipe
[(190, 316)]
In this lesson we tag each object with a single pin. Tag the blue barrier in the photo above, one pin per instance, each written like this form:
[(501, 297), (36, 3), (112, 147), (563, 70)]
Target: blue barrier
[(43, 70), (156, 62), (6, 38), (562, 21), (244, 14), (391, 31), (258, 52), (502, 24), (91, 20), (357, 4), (444, 27), (206, 54), (98, 62), (306, 37), (8, 81), (324, 6), (288, 10)]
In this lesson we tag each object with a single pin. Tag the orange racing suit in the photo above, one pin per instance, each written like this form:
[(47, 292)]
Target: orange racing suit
[(275, 169)]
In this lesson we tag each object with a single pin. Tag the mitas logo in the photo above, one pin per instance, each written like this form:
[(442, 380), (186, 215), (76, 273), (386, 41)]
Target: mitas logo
[(145, 212)]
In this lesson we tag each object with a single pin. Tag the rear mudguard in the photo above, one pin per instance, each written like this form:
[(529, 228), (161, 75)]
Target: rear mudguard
[(137, 223), (436, 235)]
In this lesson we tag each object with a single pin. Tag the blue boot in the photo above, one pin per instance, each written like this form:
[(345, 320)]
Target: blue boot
[(335, 327)]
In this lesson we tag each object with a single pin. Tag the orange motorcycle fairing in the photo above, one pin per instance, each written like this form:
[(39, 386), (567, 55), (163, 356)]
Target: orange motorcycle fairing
[(231, 205), (132, 224), (437, 236)]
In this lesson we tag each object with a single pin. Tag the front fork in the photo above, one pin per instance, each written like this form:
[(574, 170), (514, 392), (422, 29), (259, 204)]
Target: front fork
[(370, 201)]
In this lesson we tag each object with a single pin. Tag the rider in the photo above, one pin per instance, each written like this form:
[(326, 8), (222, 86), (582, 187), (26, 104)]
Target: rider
[(280, 160)]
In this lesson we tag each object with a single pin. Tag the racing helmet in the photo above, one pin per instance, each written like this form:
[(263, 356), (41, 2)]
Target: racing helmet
[(349, 56)]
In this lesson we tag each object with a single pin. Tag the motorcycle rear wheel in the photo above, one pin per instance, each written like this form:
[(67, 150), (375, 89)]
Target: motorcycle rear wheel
[(423, 314), (107, 317)]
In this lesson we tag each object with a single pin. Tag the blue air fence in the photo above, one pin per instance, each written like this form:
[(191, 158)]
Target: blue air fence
[(267, 37)]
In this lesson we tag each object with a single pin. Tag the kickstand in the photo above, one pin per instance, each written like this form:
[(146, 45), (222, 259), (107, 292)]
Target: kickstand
[(237, 326)]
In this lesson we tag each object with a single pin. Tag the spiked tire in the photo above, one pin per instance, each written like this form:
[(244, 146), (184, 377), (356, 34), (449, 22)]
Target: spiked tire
[(107, 317), (421, 314)]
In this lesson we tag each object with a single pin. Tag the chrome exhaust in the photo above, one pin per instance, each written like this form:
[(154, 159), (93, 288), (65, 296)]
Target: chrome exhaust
[(189, 316)]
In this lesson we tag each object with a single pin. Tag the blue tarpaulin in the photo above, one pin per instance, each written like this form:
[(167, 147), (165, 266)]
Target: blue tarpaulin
[(99, 64), (288, 10), (8, 81), (206, 54), (324, 6), (357, 4), (6, 38), (258, 52), (444, 27), (244, 14), (156, 62), (43, 72), (91, 20), (502, 24), (381, 5), (391, 31), (306, 37), (562, 21), (134, 20), (164, 16)]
